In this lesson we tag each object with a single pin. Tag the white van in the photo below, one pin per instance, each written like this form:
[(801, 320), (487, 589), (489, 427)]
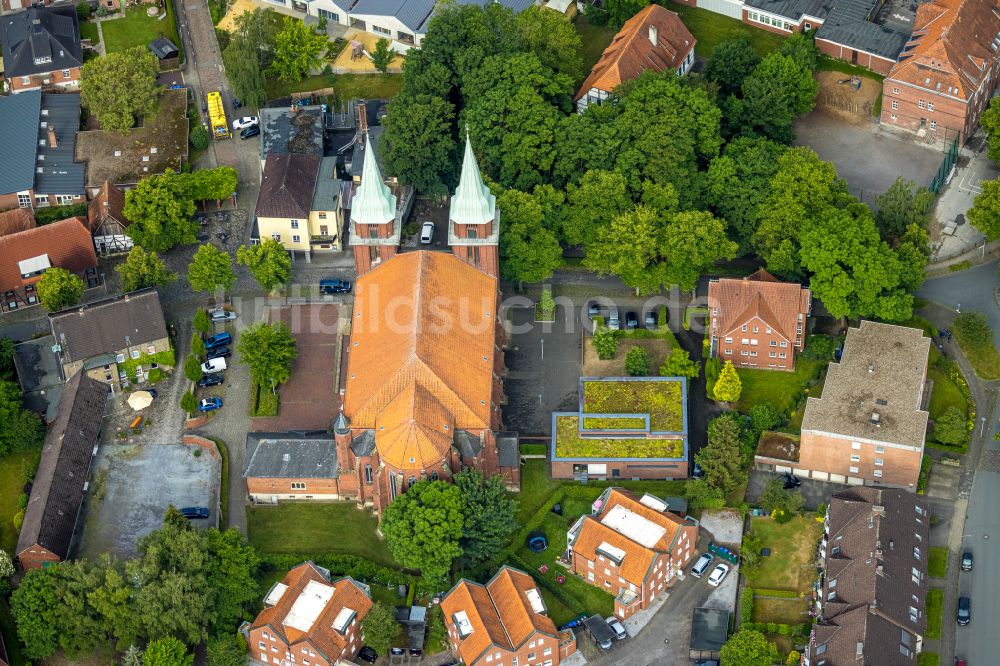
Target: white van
[(427, 233), (214, 365)]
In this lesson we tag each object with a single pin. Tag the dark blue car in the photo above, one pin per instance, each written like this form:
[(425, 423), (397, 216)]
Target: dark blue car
[(218, 340), (194, 512)]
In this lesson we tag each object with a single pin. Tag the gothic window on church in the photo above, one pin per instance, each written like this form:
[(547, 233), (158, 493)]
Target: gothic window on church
[(434, 476), (368, 474), (411, 482)]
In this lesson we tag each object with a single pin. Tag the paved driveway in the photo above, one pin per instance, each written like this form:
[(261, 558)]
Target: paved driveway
[(813, 492)]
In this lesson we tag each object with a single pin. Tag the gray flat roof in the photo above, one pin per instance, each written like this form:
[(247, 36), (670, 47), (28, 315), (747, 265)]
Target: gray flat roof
[(875, 391), (55, 170), (327, 190), (709, 629), (848, 24), (19, 119), (291, 455)]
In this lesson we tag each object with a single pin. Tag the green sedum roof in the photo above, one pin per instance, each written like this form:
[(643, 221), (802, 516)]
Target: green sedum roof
[(662, 400), (569, 444)]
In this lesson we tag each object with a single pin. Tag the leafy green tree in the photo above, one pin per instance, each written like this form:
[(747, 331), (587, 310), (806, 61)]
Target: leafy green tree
[(801, 47), (703, 495), (913, 251), (952, 427), (692, 242), (211, 269), (202, 322), (584, 143), (59, 289), (763, 417), (228, 650), (197, 345), (680, 364), (774, 497), (36, 609), (111, 597), (974, 330), (990, 122), (298, 49), (779, 90), (553, 39), (143, 269), (268, 262), (119, 87), (721, 459), (620, 11), (985, 212), (591, 204), (732, 61), (529, 251), (269, 352), (160, 213), (189, 403), (605, 343), (380, 628), (199, 137), (192, 366), (900, 206), (382, 56), (728, 386), (167, 651), (630, 248), (243, 67), (488, 514), (132, 657), (175, 518), (6, 357), (231, 576), (211, 184), (417, 145), (749, 648), (6, 567), (423, 528), (637, 362)]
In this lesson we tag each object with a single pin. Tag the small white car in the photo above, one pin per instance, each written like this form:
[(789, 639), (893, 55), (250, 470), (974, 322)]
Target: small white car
[(221, 315), (719, 574), (214, 365), (427, 233), (616, 626), (245, 122)]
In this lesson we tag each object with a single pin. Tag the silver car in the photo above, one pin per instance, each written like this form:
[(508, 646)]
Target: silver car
[(221, 315)]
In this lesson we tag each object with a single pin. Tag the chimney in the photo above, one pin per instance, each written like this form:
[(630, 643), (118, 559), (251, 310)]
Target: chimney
[(52, 137), (362, 118), (653, 36)]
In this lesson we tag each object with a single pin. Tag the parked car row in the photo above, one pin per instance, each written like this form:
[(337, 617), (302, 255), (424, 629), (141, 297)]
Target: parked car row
[(612, 317), (218, 348), (964, 614), (718, 574)]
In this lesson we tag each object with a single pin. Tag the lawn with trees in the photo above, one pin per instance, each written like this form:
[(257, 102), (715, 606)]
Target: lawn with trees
[(119, 87), (975, 337), (138, 29)]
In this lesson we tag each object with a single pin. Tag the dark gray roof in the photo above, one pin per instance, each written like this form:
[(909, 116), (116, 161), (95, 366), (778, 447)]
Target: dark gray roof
[(55, 170), (507, 448), (39, 374), (327, 191), (411, 13), (794, 9), (163, 48), (19, 119), (848, 24), (291, 455), (709, 629), (40, 39), (102, 327), (468, 445), (57, 493), (364, 444), (287, 185), (360, 150), (678, 505), (283, 132)]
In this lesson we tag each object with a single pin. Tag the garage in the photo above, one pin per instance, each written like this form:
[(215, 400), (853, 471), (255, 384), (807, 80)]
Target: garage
[(820, 476), (855, 481), (838, 478), (782, 469)]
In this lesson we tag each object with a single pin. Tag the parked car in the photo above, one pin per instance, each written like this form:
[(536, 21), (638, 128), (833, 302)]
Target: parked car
[(967, 561), (213, 379), (614, 320), (964, 610), (616, 626), (697, 472), (601, 632), (195, 512), (368, 654), (219, 352), (699, 568), (152, 392), (706, 662), (631, 321), (334, 286), (219, 340), (790, 481), (416, 652), (245, 122), (397, 651), (210, 404), (593, 309), (214, 365), (427, 233), (218, 314), (650, 320), (250, 133), (719, 574)]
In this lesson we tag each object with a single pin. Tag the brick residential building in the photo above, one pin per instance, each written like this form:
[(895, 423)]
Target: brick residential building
[(294, 465), (655, 38), (948, 72), (871, 608), (758, 322), (310, 619), (41, 49), (61, 481), (631, 547), (503, 623), (869, 424)]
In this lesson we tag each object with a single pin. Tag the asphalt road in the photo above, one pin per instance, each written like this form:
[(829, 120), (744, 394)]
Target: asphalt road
[(969, 290)]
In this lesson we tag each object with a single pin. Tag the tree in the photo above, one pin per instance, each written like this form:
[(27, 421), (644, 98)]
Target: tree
[(778, 90), (59, 289), (728, 386), (143, 269), (189, 403), (175, 518), (721, 459), (591, 204), (702, 495), (801, 47), (380, 628), (692, 242), (297, 51), (423, 527), (269, 352), (227, 650), (199, 137), (231, 575), (605, 343), (749, 648), (763, 417), (973, 330), (35, 605), (913, 251), (132, 657), (167, 651), (750, 550), (6, 357), (22, 430), (774, 497), (202, 322), (900, 206), (6, 566), (417, 145), (637, 362), (630, 248), (211, 269), (119, 87), (160, 213), (553, 39), (382, 56), (990, 122), (197, 346), (680, 364), (268, 262), (952, 427), (985, 212), (620, 11), (488, 514), (529, 251), (245, 71), (732, 61)]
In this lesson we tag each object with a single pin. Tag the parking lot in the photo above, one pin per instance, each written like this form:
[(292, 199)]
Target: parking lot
[(131, 486)]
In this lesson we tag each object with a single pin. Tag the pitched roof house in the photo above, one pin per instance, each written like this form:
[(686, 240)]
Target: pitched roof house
[(16, 220), (292, 465), (655, 38), (41, 48), (633, 539), (299, 200), (503, 621), (107, 222), (872, 601), (309, 617), (758, 321), (57, 493)]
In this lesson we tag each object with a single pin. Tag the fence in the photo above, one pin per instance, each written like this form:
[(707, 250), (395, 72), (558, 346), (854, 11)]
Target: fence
[(950, 157)]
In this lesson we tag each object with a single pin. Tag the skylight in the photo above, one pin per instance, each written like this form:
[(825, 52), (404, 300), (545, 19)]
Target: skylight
[(307, 608), (635, 527), (463, 624)]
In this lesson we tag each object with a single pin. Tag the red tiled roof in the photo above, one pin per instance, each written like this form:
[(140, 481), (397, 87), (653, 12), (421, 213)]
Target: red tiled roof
[(777, 304), (109, 202), (632, 51), (16, 220), (67, 242)]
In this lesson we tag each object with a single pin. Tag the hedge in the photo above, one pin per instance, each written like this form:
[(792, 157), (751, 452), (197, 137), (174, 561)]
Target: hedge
[(343, 565)]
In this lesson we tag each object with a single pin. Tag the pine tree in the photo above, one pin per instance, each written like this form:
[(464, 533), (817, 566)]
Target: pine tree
[(728, 387)]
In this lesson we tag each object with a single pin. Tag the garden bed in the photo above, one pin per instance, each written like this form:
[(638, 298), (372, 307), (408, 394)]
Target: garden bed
[(569, 444)]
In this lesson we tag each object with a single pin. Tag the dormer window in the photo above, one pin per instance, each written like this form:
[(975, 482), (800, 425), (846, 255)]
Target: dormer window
[(43, 60)]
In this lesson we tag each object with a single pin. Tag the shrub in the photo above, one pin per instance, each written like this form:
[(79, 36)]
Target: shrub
[(192, 368), (974, 329), (952, 428), (22, 501), (764, 417), (746, 604), (546, 306), (661, 317), (83, 11), (202, 322), (18, 520), (606, 343), (728, 386), (199, 138), (637, 362), (189, 403), (820, 347)]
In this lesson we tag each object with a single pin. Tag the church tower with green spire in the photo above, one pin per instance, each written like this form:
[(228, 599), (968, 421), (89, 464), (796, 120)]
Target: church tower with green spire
[(375, 230), (473, 219)]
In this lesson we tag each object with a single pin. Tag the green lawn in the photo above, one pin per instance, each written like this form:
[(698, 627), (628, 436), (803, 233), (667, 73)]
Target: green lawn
[(781, 611), (928, 659), (88, 30), (710, 29), (774, 387), (935, 609), (985, 359), (345, 86), (314, 529), (137, 29), (945, 393), (793, 549), (536, 488), (12, 474), (595, 39), (937, 566)]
